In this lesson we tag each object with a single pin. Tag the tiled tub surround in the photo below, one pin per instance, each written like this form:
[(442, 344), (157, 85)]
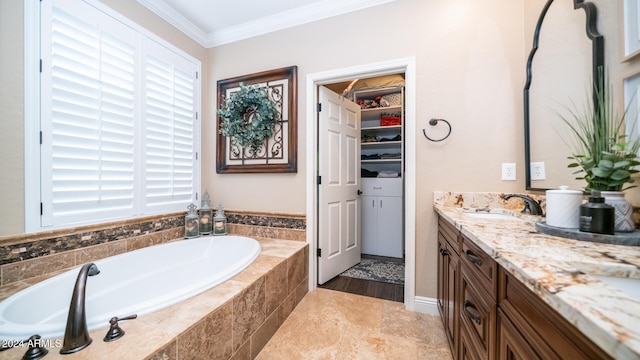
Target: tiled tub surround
[(26, 256), (233, 320), (554, 269)]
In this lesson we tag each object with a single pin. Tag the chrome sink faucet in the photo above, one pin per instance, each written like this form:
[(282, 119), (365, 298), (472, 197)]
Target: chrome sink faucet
[(76, 335), (530, 205)]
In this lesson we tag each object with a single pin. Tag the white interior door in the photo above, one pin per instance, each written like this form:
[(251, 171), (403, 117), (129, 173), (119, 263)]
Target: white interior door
[(339, 173)]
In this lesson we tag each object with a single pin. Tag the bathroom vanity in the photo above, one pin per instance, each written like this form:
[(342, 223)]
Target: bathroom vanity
[(506, 291)]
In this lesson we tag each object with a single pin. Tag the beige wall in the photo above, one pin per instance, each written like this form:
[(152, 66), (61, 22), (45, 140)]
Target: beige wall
[(11, 115)]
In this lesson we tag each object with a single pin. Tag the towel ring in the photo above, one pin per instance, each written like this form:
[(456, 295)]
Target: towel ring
[(433, 122)]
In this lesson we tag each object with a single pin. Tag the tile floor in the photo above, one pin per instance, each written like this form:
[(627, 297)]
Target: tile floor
[(329, 324)]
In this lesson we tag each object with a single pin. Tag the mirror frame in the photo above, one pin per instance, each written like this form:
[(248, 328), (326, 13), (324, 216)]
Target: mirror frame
[(597, 55)]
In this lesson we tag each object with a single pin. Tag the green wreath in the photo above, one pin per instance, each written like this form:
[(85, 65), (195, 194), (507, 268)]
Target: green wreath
[(248, 116)]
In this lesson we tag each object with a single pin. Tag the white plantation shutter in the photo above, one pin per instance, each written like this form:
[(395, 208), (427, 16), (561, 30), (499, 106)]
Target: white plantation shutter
[(117, 119), (169, 128)]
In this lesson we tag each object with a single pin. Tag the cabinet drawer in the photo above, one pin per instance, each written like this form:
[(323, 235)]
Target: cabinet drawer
[(548, 333), (481, 264), (477, 315), (511, 344), (382, 186), (449, 233)]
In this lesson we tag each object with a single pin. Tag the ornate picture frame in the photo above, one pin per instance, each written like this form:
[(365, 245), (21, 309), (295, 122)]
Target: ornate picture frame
[(631, 91), (280, 152), (631, 29)]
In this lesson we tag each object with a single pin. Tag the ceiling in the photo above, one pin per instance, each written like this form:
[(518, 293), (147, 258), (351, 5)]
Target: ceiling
[(217, 22)]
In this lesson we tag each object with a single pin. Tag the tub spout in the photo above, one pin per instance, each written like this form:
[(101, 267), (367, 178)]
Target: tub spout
[(76, 335)]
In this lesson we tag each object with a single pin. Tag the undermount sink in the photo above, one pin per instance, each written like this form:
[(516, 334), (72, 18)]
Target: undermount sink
[(496, 216), (629, 286), (623, 277)]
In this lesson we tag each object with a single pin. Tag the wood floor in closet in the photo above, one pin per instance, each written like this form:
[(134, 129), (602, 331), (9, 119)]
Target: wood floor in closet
[(375, 289)]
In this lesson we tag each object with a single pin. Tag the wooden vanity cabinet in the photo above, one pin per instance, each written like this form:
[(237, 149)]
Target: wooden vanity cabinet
[(478, 304), (489, 314), (530, 327), (448, 281)]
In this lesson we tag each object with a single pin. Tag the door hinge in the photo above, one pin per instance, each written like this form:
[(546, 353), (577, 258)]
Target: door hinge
[(40, 65), (319, 252), (40, 137), (41, 209), (319, 180), (319, 107)]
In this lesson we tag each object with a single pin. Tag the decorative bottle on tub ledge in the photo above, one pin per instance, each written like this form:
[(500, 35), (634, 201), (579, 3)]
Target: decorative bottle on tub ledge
[(191, 223), (220, 222)]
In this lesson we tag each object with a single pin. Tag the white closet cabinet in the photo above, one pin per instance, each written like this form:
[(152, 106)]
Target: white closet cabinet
[(382, 225)]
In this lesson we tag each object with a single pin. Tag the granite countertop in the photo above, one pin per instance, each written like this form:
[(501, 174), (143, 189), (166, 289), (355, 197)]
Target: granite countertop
[(556, 269)]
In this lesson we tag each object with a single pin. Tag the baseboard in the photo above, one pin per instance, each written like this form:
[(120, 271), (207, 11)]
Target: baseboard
[(426, 305)]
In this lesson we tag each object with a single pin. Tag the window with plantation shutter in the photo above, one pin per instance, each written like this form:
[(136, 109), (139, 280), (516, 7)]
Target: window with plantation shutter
[(117, 119), (169, 128)]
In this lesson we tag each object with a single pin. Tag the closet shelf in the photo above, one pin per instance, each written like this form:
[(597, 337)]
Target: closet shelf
[(381, 127), (381, 161), (380, 143), (394, 108)]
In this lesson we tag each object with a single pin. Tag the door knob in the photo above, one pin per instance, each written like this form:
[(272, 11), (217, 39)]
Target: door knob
[(359, 192)]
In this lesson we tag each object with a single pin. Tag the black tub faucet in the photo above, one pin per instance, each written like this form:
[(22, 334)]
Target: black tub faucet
[(76, 335), (530, 206)]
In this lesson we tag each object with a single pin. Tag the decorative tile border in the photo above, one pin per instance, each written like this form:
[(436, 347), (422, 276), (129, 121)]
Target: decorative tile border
[(285, 221), (29, 255), (72, 241)]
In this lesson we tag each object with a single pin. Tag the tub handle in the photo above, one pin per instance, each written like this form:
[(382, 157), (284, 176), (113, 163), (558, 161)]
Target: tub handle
[(35, 351), (115, 331)]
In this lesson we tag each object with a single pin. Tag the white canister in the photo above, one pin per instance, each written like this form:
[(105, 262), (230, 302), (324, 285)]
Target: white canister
[(563, 207)]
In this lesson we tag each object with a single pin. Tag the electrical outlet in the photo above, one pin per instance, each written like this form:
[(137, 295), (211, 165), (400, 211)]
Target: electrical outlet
[(537, 171), (508, 171)]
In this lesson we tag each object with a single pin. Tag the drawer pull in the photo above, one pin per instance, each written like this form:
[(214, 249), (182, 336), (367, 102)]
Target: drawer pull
[(474, 259), (443, 252), (472, 312)]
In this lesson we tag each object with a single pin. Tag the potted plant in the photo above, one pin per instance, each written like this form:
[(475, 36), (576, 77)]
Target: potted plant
[(248, 116), (605, 156)]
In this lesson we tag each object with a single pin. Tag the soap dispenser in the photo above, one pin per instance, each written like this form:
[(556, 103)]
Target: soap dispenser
[(596, 216)]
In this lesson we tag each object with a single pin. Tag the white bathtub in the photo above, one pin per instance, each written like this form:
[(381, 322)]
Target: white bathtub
[(137, 282)]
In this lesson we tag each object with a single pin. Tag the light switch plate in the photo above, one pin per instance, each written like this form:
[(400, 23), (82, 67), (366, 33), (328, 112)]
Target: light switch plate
[(508, 171)]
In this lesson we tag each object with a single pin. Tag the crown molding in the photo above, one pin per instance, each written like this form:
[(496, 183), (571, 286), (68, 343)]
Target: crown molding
[(283, 20), (169, 14)]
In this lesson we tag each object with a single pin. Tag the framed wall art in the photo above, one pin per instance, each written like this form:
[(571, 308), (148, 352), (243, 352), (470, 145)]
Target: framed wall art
[(631, 28), (277, 153), (631, 87)]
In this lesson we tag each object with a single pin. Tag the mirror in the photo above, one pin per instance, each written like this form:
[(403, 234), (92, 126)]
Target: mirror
[(562, 63)]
